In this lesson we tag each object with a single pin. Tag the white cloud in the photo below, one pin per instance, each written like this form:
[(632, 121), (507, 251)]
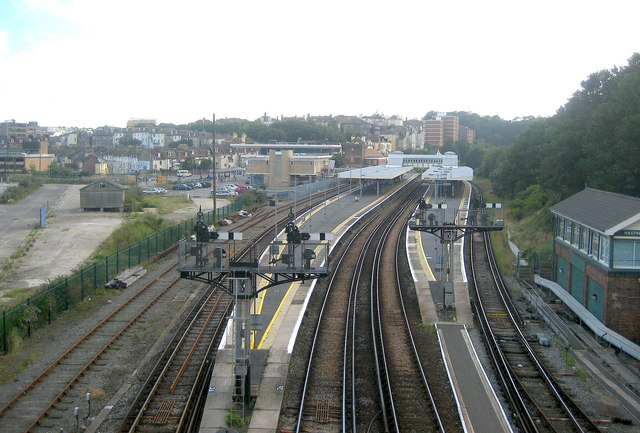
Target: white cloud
[(4, 44), (111, 60)]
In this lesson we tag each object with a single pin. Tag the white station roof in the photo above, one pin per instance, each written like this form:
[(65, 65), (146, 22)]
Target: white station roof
[(448, 173), (375, 172)]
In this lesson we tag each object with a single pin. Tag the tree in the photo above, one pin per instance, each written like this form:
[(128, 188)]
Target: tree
[(189, 163), (337, 157), (206, 164), (129, 141), (591, 141)]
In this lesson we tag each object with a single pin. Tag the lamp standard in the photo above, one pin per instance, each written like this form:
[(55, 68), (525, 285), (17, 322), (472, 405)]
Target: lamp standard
[(295, 194), (275, 222), (324, 185)]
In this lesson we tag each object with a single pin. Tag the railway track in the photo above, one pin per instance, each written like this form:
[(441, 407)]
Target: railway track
[(169, 398), (43, 397), (339, 391), (535, 397), (323, 398), (47, 402), (407, 394), (173, 396)]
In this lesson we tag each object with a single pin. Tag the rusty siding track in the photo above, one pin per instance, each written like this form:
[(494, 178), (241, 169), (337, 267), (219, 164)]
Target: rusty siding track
[(31, 398), (166, 400)]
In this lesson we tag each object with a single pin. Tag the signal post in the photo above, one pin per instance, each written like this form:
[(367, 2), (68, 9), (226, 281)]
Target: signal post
[(449, 225), (212, 257)]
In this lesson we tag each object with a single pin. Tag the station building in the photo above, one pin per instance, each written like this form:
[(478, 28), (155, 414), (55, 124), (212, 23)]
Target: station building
[(266, 148), (596, 254), (280, 169), (422, 161), (31, 156)]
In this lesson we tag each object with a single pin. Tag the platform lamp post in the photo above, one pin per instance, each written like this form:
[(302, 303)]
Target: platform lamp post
[(275, 222), (324, 186), (295, 193)]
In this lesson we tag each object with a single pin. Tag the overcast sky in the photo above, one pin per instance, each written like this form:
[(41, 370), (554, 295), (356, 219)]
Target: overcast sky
[(89, 63)]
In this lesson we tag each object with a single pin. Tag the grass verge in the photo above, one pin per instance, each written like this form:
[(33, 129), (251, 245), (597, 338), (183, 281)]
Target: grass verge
[(26, 186), (137, 228), (531, 234)]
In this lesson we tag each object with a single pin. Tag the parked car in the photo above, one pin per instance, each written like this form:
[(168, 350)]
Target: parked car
[(154, 191), (182, 187), (223, 194)]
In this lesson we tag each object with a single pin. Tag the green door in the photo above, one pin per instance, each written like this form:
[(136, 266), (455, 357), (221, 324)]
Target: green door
[(595, 299), (563, 271), (577, 284)]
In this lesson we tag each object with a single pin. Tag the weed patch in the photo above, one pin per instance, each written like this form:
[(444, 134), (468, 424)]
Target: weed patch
[(26, 186), (136, 229)]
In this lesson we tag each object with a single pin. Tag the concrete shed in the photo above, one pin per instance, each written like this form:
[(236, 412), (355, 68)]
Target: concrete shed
[(102, 195)]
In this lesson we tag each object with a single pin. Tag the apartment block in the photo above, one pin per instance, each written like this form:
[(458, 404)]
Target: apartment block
[(466, 134), (434, 132), (450, 125)]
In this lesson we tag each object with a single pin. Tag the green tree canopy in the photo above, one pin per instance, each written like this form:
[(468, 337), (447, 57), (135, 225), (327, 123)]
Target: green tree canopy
[(287, 130), (129, 141), (594, 140)]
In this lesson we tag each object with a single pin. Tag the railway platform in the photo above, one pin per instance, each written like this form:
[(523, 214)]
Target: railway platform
[(478, 405)]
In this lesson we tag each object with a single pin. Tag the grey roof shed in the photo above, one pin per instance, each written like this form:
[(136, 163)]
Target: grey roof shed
[(606, 212), (102, 194)]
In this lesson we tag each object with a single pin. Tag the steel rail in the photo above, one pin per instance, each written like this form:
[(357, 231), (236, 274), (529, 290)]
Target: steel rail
[(425, 382), (380, 350), (166, 362), (197, 381), (97, 355), (317, 332), (557, 391), (347, 336), (82, 339), (512, 383)]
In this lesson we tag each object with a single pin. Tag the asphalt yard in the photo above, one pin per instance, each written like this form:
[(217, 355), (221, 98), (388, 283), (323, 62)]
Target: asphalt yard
[(69, 238)]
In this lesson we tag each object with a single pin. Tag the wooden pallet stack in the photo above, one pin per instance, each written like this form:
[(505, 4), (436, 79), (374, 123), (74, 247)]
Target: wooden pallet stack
[(126, 278)]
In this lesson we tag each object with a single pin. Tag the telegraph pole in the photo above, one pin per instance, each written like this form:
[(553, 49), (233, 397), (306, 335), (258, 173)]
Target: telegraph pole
[(213, 158)]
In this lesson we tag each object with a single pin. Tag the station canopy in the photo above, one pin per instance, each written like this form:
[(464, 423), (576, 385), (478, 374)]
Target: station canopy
[(448, 173), (376, 172)]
